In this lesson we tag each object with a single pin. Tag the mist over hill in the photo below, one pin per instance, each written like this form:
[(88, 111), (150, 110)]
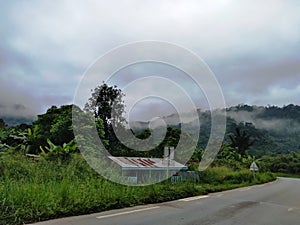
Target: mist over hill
[(17, 120), (273, 129), (15, 113)]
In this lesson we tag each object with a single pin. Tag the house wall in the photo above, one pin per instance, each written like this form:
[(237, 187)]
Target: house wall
[(147, 176)]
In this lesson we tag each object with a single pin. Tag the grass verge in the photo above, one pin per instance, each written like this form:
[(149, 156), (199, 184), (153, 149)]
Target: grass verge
[(31, 191), (287, 175)]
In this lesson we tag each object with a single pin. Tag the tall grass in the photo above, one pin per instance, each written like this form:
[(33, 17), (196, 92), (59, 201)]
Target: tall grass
[(34, 191)]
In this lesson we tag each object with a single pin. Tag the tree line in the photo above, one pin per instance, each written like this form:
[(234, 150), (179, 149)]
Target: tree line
[(51, 134)]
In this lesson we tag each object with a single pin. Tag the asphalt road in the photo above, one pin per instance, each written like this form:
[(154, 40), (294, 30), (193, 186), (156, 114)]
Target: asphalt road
[(273, 203)]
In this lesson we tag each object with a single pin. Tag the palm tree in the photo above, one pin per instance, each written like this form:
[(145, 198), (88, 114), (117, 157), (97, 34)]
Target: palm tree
[(241, 141)]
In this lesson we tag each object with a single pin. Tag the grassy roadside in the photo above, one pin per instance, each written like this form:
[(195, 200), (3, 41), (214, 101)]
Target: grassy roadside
[(287, 175), (31, 191)]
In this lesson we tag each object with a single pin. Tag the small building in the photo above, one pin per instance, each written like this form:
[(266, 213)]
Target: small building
[(147, 170)]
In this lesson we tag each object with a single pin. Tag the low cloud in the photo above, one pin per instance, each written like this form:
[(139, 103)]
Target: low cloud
[(46, 46), (16, 102), (275, 124)]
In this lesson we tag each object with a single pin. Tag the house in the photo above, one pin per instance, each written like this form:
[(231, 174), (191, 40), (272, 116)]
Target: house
[(147, 170)]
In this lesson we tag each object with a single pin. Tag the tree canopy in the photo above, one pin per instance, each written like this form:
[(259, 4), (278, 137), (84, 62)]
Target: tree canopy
[(106, 104), (241, 140)]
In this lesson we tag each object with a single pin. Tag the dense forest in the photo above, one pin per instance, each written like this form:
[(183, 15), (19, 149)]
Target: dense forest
[(272, 129), (275, 130), (253, 131)]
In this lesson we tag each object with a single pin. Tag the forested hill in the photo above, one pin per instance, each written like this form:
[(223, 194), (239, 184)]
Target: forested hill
[(17, 120), (268, 114), (274, 129)]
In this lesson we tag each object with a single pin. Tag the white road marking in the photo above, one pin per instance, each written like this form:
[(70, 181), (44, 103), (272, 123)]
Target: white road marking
[(290, 209), (193, 198), (128, 212)]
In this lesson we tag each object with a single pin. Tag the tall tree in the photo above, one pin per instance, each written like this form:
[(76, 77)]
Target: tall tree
[(106, 104)]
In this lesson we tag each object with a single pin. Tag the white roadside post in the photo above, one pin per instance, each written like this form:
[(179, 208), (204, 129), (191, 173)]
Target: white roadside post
[(253, 168), (169, 156)]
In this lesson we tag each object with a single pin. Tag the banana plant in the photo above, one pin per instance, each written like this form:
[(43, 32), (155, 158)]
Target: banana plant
[(57, 151), (12, 139), (3, 147), (3, 135), (70, 147), (32, 140)]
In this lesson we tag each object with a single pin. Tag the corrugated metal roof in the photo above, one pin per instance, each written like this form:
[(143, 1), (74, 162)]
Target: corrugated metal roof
[(147, 163)]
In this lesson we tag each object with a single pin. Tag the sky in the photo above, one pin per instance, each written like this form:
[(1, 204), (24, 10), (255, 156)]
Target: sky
[(252, 47)]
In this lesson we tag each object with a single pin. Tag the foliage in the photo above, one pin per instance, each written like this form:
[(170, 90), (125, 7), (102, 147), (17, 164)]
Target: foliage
[(34, 191), (241, 140), (88, 131), (290, 111), (57, 151), (61, 183), (2, 124), (3, 136), (106, 104), (32, 139), (104, 100), (222, 175), (197, 155), (13, 139), (274, 129), (55, 124), (172, 137), (231, 158), (286, 163)]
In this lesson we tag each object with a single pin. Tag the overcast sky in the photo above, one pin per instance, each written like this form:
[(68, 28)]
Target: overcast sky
[(253, 47)]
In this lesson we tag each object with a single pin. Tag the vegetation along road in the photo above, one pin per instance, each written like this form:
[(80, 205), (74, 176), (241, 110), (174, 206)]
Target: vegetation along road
[(273, 203)]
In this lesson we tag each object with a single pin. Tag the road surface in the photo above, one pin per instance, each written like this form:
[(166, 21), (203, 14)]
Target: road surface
[(274, 203)]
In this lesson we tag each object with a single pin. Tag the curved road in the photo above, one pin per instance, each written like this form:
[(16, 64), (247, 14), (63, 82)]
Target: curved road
[(274, 203)]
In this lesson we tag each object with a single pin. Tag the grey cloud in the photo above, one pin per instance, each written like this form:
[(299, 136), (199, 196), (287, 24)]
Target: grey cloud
[(268, 124), (19, 107), (15, 101), (252, 48), (256, 81)]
